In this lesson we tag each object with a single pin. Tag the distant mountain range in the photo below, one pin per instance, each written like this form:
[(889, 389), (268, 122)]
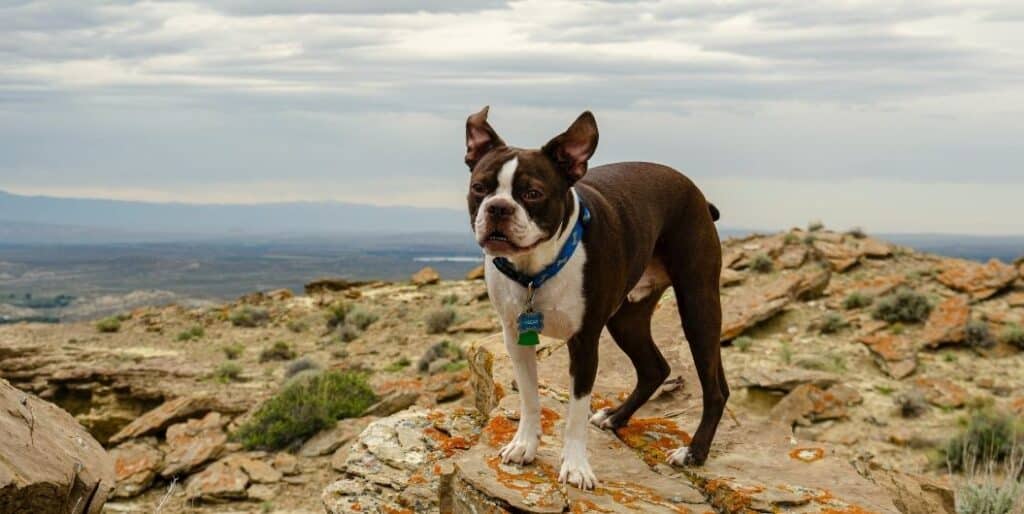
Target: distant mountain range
[(35, 219)]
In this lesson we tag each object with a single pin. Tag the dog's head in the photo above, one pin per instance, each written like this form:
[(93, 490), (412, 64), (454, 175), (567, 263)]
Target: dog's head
[(518, 199)]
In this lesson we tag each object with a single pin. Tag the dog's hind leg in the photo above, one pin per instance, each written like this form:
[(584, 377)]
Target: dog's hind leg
[(630, 326)]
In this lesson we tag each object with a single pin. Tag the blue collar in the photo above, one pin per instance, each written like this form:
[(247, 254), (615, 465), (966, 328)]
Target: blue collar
[(575, 237)]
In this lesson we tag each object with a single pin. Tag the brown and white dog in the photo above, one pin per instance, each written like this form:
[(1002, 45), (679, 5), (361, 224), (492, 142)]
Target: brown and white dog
[(650, 228)]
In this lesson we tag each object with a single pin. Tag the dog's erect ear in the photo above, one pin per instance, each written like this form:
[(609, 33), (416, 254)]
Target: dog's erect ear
[(572, 149), (480, 137)]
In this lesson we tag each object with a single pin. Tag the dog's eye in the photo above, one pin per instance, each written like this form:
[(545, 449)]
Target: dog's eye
[(532, 195), (478, 188)]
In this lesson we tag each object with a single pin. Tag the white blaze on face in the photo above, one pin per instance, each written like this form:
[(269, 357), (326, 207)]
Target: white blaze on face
[(521, 230)]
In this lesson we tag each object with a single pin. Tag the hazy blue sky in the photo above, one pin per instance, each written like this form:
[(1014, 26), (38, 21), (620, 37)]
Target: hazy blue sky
[(897, 116)]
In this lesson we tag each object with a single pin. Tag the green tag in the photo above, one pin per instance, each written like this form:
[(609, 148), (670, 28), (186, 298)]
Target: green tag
[(528, 338)]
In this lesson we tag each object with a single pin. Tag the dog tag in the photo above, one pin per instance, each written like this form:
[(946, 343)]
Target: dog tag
[(530, 323)]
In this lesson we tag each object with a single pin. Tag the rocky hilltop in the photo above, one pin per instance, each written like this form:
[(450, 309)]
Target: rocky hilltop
[(852, 364)]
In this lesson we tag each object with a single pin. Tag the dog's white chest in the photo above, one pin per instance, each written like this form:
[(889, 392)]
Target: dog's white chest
[(560, 299)]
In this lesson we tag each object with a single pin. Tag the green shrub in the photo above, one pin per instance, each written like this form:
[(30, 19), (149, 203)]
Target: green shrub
[(452, 367), (815, 226), (279, 351), (856, 300), (743, 343), (360, 318), (977, 335), (336, 314), (791, 239), (450, 299), (762, 263), (195, 332), (988, 437), (398, 365), (832, 323), (911, 404), (249, 316), (904, 306), (304, 407), (109, 325), (1014, 335), (297, 326), (443, 350), (438, 321), (991, 496), (299, 365), (809, 239), (856, 233), (347, 333), (228, 372), (233, 351)]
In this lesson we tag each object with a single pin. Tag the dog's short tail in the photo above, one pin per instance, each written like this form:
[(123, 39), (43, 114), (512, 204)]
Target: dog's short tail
[(715, 215)]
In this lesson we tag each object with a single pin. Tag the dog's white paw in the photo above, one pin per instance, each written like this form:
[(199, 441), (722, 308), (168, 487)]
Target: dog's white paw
[(576, 469), (522, 449), (678, 457), (602, 419)]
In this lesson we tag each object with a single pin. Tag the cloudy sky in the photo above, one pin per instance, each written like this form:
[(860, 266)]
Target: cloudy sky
[(896, 116)]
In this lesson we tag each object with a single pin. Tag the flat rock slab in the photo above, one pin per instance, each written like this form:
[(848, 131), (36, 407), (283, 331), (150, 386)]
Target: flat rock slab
[(980, 281), (753, 467)]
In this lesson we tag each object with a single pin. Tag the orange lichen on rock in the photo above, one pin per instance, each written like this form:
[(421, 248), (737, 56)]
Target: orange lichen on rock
[(500, 430), (807, 454), (728, 496), (849, 509), (548, 418), (581, 506), (598, 402), (392, 510), (653, 438), (448, 444), (633, 495)]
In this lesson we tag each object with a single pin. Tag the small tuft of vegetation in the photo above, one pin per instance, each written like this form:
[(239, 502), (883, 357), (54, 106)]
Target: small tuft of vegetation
[(398, 365), (193, 333), (832, 323), (279, 351), (809, 239), (228, 372), (857, 300), (443, 350), (988, 437), (336, 314), (304, 407), (109, 325), (911, 404), (439, 320), (299, 365), (233, 351), (791, 239), (904, 306), (762, 263), (249, 316), (815, 226), (360, 319), (348, 333), (297, 326), (856, 233), (743, 343), (1013, 335), (450, 299), (977, 335), (990, 495), (452, 367), (884, 389)]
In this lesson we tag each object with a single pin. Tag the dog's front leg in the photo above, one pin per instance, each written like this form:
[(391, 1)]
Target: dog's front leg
[(523, 447), (576, 468)]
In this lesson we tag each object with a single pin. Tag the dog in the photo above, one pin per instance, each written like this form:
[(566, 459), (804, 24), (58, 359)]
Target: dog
[(607, 242)]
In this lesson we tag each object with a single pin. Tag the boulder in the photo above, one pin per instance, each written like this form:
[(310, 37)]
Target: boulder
[(980, 281), (810, 404), (170, 412), (793, 256), (258, 471), (425, 277), (328, 441), (947, 324), (731, 277), (476, 273), (193, 443), (136, 464), (48, 462), (220, 481), (876, 286), (393, 402), (895, 354), (783, 379), (941, 392), (840, 256), (749, 306)]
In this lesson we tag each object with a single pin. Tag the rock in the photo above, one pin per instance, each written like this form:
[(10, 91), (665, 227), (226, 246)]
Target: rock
[(193, 443), (425, 277), (840, 256), (170, 412), (947, 323), (47, 460), (220, 481), (1017, 405), (450, 392), (280, 295), (894, 354), (476, 273), (731, 277), (877, 286), (349, 495), (874, 248), (327, 441), (809, 404), (136, 464), (753, 305), (392, 403), (259, 472), (262, 492), (438, 366), (980, 281), (286, 464), (941, 392), (784, 378), (1015, 299), (481, 325), (328, 285), (912, 494)]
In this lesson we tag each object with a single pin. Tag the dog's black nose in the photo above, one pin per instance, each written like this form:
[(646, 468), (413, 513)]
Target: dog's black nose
[(500, 209)]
